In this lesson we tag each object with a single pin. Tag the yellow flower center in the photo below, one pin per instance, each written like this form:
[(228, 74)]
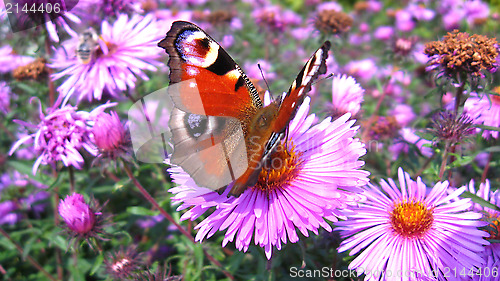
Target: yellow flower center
[(280, 168), (411, 218)]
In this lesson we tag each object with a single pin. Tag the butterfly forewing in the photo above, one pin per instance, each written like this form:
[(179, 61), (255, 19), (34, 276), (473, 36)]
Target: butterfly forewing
[(212, 96), (315, 66), (223, 88)]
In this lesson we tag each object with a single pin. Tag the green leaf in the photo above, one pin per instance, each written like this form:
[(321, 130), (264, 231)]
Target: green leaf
[(27, 246), (480, 200), (491, 128), (141, 211), (97, 264), (27, 169)]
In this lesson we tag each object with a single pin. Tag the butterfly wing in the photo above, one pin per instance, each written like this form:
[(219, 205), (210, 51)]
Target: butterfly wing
[(207, 132), (223, 88), (315, 66)]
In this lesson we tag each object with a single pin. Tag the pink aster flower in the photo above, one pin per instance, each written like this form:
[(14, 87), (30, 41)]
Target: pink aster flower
[(125, 49), (59, 136), (484, 111), (110, 136), (384, 33), (411, 231), (83, 219), (321, 178), (77, 214), (347, 95)]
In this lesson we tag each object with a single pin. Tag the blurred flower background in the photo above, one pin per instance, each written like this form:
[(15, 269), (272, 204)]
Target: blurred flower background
[(394, 160)]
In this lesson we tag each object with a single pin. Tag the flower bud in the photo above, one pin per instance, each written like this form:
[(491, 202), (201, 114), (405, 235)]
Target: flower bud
[(109, 132), (77, 214)]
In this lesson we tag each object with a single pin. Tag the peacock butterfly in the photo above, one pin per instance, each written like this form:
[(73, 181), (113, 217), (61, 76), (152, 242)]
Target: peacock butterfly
[(221, 131)]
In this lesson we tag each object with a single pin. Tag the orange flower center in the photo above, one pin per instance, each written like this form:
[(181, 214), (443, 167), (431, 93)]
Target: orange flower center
[(494, 227), (280, 168), (411, 219)]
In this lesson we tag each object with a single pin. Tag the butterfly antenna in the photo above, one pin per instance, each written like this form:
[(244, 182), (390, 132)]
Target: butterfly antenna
[(265, 81), (324, 78)]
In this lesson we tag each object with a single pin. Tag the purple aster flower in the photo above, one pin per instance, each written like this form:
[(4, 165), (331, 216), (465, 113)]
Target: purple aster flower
[(407, 136), (4, 97), (321, 177), (484, 111), (374, 6), (412, 231), (60, 134), (364, 69), (476, 11), (150, 221), (17, 179), (124, 50), (418, 53), (347, 95), (94, 9), (33, 204), (329, 6), (7, 214), (9, 60), (274, 18), (253, 71), (420, 13), (404, 21), (77, 214), (384, 33), (403, 113), (453, 18)]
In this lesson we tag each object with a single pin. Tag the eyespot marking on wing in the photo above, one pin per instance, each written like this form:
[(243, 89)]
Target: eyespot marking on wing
[(197, 49)]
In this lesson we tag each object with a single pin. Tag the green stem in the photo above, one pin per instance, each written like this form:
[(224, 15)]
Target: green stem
[(28, 257), (445, 160), (71, 179), (458, 95)]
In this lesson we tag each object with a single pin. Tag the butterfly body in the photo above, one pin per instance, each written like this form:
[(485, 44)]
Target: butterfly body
[(222, 132)]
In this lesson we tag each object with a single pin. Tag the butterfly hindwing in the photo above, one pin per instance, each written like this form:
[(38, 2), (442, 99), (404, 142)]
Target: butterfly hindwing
[(315, 66), (223, 88), (210, 149)]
